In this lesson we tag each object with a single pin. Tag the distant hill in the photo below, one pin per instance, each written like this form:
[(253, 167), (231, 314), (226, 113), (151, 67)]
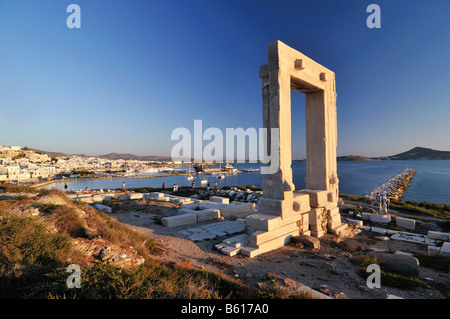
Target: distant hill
[(116, 156), (111, 156), (420, 153), (417, 153), (51, 154), (355, 158)]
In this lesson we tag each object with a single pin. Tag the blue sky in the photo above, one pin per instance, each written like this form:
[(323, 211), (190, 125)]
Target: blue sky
[(138, 69)]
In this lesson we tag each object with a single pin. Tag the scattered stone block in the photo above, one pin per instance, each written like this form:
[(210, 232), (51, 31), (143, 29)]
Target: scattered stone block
[(207, 214), (178, 220), (103, 208), (135, 196), (202, 236), (157, 194), (233, 245), (378, 230), (340, 230), (392, 232), (413, 238), (86, 199), (439, 235), (217, 199), (237, 241), (190, 205), (355, 221), (445, 249), (382, 219), (434, 250), (406, 223), (182, 211), (182, 200), (238, 210)]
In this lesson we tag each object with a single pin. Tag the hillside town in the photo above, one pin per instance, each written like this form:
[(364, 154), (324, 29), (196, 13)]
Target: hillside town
[(24, 166)]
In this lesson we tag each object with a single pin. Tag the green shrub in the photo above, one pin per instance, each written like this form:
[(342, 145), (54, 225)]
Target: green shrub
[(27, 253)]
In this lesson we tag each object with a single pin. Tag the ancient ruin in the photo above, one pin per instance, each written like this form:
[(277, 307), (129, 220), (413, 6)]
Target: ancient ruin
[(282, 211)]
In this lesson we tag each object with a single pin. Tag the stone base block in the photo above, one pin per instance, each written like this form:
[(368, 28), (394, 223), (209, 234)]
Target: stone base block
[(316, 228), (263, 221), (301, 203), (274, 206), (259, 237), (333, 212), (317, 234), (334, 222), (276, 243), (305, 232), (304, 222), (315, 216), (318, 198), (339, 230)]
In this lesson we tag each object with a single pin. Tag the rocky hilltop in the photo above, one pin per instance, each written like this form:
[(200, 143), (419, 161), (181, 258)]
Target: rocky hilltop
[(420, 153), (417, 153)]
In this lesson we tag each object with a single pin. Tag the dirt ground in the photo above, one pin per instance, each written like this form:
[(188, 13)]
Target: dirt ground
[(328, 270)]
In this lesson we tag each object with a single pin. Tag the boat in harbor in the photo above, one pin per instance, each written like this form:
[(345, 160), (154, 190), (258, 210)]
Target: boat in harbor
[(208, 169)]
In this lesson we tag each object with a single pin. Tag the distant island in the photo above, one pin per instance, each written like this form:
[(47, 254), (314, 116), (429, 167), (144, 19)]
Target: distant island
[(417, 153), (353, 158)]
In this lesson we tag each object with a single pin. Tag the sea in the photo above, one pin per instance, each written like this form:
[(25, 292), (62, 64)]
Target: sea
[(431, 183)]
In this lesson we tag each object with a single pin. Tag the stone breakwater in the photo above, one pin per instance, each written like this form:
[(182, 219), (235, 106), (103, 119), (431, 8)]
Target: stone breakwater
[(396, 186)]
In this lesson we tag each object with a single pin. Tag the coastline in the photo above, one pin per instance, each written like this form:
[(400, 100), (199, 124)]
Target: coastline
[(37, 186)]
